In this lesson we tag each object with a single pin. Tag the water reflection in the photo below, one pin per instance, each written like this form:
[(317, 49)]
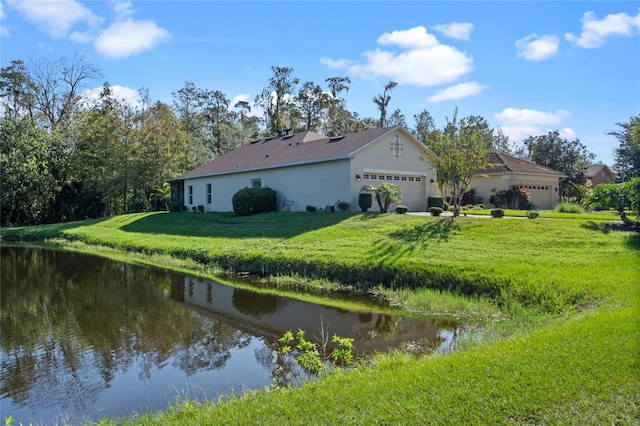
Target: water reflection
[(86, 336)]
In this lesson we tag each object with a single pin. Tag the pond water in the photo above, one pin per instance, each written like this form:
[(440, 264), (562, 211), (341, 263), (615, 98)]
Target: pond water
[(85, 337)]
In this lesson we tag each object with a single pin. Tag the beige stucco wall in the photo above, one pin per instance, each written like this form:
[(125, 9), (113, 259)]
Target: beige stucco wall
[(543, 189), (318, 185), (325, 183), (378, 159)]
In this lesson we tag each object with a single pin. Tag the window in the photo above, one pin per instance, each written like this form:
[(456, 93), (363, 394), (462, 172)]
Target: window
[(365, 176), (190, 194), (396, 146), (396, 178), (404, 178), (256, 183), (389, 177), (411, 178), (374, 177), (208, 193), (418, 179)]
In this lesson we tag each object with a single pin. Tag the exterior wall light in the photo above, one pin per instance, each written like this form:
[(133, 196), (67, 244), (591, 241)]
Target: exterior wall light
[(358, 178), (433, 182)]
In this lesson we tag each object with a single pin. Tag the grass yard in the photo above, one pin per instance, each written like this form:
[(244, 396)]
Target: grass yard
[(566, 348)]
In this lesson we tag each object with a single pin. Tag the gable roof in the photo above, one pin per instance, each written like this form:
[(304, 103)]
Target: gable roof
[(503, 163), (288, 149), (594, 169)]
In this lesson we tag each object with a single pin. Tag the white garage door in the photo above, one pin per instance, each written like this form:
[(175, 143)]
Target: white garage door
[(414, 194)]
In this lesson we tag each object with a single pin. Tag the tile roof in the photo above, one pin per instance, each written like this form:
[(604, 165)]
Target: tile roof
[(294, 148), (503, 163)]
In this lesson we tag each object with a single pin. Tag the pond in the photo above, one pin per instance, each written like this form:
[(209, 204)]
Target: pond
[(85, 337)]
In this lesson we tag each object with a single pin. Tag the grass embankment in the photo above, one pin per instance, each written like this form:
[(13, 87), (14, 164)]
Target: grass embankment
[(582, 367)]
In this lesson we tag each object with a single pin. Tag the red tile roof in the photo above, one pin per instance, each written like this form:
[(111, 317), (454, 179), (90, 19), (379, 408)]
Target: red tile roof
[(287, 149), (503, 163)]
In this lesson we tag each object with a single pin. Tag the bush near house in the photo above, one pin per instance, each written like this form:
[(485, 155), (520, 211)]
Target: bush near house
[(400, 209), (497, 213), (435, 211), (250, 201), (512, 198), (436, 202)]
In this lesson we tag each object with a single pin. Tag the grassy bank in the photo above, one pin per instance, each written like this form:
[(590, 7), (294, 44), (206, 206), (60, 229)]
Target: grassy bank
[(576, 276)]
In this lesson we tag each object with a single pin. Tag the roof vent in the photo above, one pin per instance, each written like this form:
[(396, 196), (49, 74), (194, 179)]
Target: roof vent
[(288, 136), (256, 141), (336, 138), (269, 138)]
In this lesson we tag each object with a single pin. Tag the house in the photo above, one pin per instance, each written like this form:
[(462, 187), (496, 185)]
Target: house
[(308, 169), (504, 171), (599, 173)]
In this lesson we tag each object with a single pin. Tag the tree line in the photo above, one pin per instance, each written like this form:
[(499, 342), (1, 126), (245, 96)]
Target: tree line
[(69, 153)]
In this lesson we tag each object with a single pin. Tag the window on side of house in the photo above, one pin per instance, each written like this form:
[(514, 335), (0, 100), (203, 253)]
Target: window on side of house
[(190, 194), (208, 193), (256, 183)]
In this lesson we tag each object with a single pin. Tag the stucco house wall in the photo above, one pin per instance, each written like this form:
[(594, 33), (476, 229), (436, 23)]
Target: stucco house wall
[(377, 163), (506, 171), (308, 169)]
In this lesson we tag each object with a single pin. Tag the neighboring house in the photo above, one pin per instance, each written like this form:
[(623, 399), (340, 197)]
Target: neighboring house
[(308, 169), (505, 171), (599, 173)]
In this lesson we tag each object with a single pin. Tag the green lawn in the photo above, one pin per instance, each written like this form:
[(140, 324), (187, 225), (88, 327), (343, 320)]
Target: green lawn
[(566, 348)]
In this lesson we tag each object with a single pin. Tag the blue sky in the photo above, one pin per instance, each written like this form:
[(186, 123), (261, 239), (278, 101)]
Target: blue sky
[(528, 67)]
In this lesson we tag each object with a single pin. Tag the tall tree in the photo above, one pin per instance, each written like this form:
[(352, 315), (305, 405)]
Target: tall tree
[(425, 126), (17, 91), (569, 157), (397, 119), (456, 153), (25, 178), (628, 152), (340, 120), (382, 101), (276, 99), (311, 103), (59, 85)]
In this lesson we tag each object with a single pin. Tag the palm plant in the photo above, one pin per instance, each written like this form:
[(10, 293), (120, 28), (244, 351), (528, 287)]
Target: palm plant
[(385, 193)]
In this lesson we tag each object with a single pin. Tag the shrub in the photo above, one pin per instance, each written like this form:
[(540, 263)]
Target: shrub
[(185, 208), (250, 201), (365, 201), (435, 211), (201, 208), (194, 209), (497, 213), (514, 197), (445, 206), (533, 214), (400, 209), (311, 209), (343, 206), (470, 197), (565, 207), (436, 202)]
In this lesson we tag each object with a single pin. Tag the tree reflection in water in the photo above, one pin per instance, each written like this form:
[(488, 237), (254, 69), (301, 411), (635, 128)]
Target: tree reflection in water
[(82, 335)]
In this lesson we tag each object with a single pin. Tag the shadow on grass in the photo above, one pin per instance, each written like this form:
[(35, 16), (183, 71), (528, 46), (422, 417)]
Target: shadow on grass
[(595, 226), (409, 239), (227, 225), (43, 232)]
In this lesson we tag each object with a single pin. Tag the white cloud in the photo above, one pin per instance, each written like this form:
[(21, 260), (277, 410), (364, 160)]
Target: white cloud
[(129, 37), (124, 37), (422, 60), (521, 123), (237, 98), (122, 8), (594, 31), (56, 17), (459, 91), (413, 38), (534, 48), (334, 64), (567, 133), (122, 93), (457, 30)]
